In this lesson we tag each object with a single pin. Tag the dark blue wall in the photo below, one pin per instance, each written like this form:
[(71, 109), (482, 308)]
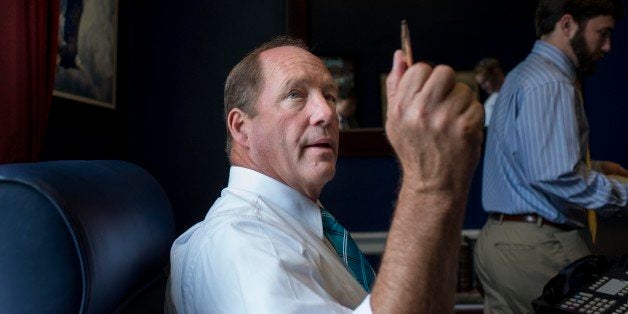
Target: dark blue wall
[(181, 53), (605, 101)]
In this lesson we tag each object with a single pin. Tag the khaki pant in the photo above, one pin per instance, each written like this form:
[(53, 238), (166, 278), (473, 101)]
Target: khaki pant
[(514, 261)]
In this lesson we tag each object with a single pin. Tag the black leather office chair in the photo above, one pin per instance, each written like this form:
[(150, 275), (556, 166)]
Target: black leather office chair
[(82, 237)]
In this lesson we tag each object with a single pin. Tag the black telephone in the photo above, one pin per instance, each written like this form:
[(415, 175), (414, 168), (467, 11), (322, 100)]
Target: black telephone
[(592, 284)]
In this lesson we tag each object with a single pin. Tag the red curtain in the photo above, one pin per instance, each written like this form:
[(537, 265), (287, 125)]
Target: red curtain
[(28, 33)]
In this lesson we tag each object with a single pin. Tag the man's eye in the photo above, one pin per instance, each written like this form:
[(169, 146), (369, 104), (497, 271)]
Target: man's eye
[(605, 33), (331, 98), (294, 94)]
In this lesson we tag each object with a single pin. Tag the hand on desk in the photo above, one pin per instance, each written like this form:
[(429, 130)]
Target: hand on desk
[(621, 179), (609, 168)]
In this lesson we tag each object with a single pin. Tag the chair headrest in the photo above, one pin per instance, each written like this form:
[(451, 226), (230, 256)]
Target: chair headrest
[(79, 236)]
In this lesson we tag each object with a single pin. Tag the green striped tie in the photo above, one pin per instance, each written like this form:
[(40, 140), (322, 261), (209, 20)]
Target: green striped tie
[(348, 251)]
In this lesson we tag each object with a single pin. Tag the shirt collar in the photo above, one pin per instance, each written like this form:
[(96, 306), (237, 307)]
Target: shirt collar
[(556, 56), (279, 195)]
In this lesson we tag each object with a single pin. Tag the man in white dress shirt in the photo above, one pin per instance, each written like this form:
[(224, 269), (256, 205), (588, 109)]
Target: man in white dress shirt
[(261, 247), (490, 77)]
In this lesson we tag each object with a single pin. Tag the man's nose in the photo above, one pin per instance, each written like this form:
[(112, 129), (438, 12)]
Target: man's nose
[(606, 46), (323, 111)]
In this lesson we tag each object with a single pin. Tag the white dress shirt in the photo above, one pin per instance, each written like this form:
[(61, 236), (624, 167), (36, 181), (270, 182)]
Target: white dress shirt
[(489, 105), (260, 249)]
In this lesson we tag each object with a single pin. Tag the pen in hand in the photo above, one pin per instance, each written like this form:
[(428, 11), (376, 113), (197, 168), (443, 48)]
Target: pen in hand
[(406, 45)]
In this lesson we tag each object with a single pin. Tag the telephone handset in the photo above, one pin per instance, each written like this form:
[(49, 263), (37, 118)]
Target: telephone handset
[(592, 284)]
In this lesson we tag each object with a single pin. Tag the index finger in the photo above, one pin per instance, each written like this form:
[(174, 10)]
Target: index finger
[(398, 68)]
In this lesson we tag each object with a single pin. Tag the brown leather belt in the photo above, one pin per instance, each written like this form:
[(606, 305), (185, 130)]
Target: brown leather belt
[(530, 218)]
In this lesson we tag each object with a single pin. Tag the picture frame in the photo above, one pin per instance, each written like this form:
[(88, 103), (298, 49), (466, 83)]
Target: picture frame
[(343, 70), (86, 59)]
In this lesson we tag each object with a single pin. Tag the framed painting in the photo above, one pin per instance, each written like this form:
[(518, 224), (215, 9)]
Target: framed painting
[(86, 59), (342, 69)]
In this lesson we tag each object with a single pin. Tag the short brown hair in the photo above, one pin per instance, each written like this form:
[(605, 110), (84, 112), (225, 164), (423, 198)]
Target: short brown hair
[(488, 66), (549, 12), (244, 81)]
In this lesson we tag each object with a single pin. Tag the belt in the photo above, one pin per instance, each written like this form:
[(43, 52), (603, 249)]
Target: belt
[(530, 218)]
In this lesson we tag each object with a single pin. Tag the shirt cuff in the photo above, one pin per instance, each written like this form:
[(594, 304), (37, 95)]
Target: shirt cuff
[(364, 307)]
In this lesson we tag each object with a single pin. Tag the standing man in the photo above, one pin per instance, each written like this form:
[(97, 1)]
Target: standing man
[(490, 77), (537, 181), (268, 246)]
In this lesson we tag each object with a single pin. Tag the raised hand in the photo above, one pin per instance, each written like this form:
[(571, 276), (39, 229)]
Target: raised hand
[(434, 125), (435, 128)]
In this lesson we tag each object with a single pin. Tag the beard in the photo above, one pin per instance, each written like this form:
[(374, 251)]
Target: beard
[(586, 62)]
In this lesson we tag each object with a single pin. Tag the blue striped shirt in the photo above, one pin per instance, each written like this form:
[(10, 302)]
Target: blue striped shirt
[(537, 143)]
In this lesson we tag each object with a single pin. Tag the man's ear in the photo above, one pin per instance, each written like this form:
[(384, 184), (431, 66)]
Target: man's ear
[(239, 124), (568, 26)]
